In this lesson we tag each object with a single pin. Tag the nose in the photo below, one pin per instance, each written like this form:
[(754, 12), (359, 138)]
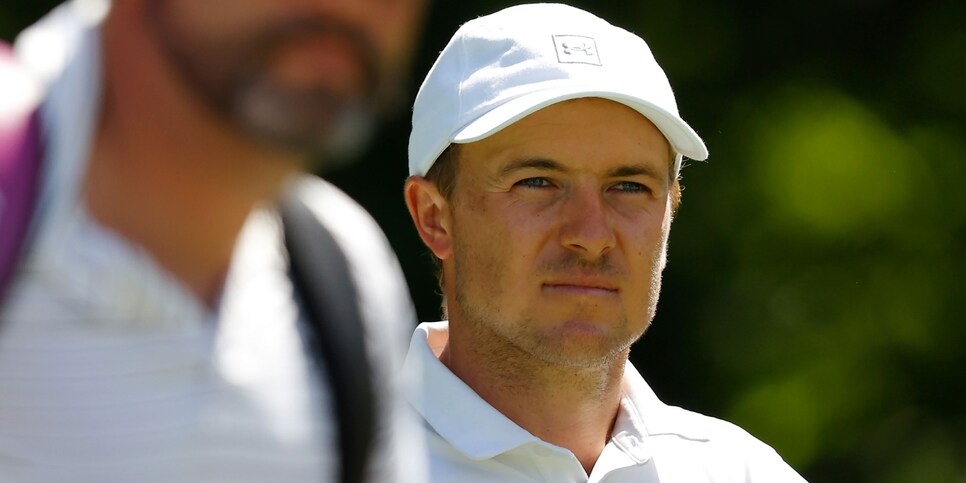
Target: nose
[(587, 228)]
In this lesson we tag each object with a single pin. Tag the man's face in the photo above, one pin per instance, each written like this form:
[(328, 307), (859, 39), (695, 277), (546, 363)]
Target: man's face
[(300, 74), (560, 224)]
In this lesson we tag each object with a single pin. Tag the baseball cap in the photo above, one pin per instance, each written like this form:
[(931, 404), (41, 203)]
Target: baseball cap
[(499, 68)]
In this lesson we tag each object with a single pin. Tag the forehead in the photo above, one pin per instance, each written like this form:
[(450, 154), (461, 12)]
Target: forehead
[(589, 134)]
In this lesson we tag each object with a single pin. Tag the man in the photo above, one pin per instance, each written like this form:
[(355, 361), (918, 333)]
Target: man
[(544, 156), (151, 332)]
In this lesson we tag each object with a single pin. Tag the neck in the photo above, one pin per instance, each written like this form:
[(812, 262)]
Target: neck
[(168, 174), (571, 407)]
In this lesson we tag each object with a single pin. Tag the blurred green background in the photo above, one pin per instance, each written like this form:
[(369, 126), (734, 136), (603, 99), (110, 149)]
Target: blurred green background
[(815, 290)]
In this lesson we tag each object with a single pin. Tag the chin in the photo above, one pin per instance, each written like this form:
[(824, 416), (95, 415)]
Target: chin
[(583, 344), (310, 122)]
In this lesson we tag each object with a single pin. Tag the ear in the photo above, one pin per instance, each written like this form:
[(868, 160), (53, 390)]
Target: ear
[(431, 215)]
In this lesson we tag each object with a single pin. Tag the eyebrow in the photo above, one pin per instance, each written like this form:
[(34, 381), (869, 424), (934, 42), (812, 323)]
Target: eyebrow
[(538, 163), (551, 165), (636, 170)]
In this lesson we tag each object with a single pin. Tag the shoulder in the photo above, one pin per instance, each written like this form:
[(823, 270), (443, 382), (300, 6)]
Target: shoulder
[(387, 313), (685, 442), (370, 257), (382, 289), (723, 447), (349, 223), (365, 246), (700, 427)]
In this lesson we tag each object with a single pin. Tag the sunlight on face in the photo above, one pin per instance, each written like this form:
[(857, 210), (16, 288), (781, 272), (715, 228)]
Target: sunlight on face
[(560, 224)]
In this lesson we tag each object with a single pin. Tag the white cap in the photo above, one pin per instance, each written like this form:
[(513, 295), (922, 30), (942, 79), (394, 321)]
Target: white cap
[(502, 67)]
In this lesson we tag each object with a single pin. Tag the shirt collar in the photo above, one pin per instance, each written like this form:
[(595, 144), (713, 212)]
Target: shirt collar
[(446, 403), (651, 416)]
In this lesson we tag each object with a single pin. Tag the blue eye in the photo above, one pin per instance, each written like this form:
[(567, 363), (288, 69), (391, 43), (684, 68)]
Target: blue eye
[(534, 183), (631, 187)]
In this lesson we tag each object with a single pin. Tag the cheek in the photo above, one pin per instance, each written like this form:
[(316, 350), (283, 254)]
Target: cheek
[(479, 248), (494, 252), (646, 241), (394, 28), (399, 27)]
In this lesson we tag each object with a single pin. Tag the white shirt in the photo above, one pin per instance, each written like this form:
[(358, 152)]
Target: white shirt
[(470, 441), (111, 370)]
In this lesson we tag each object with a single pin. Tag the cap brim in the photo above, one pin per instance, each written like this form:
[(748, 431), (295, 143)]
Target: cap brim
[(682, 138)]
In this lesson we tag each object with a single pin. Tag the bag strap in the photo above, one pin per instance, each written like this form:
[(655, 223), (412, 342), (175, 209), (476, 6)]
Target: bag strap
[(21, 155), (335, 332)]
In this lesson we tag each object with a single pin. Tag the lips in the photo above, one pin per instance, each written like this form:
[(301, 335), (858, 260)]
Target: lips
[(582, 286), (310, 60)]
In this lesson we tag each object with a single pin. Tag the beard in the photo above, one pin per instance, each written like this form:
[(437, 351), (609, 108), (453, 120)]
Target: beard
[(233, 77), (510, 336)]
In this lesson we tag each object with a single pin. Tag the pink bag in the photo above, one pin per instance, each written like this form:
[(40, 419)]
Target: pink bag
[(20, 159)]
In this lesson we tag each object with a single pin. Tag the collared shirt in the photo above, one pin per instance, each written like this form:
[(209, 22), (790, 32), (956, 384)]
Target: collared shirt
[(470, 441), (111, 370)]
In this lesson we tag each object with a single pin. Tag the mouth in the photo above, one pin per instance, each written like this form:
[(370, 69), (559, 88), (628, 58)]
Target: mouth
[(307, 50), (321, 60), (588, 286)]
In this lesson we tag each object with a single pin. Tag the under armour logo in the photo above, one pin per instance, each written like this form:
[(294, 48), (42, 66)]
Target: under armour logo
[(576, 49), (584, 47)]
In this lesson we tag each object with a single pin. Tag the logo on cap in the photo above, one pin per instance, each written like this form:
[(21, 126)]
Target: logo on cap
[(576, 49)]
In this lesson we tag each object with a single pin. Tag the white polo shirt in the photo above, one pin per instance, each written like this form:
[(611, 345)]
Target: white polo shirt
[(112, 371), (470, 441)]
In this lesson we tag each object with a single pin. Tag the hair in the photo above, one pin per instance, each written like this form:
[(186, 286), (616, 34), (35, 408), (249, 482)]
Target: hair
[(443, 175), (443, 171)]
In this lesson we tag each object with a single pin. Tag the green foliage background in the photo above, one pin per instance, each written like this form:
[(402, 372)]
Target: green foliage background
[(815, 289)]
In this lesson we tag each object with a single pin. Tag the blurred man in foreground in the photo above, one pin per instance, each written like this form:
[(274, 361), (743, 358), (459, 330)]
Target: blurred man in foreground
[(544, 156), (151, 332)]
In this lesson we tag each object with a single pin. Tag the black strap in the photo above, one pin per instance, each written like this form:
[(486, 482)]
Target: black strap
[(335, 331)]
